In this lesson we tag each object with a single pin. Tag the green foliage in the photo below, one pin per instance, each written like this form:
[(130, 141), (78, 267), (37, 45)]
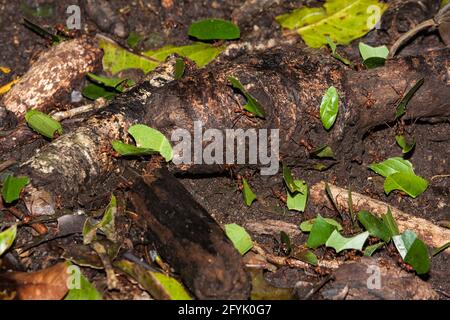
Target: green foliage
[(7, 238), (12, 187), (248, 194), (340, 243), (401, 106), (329, 107), (320, 232), (369, 251), (342, 20), (413, 251), (107, 224), (214, 29), (306, 226), (239, 237), (252, 106), (86, 291), (334, 52), (373, 56), (374, 225), (323, 152), (406, 147), (297, 200), (133, 39), (43, 123), (179, 68)]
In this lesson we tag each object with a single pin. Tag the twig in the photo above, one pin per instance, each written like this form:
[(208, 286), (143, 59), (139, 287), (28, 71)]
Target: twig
[(61, 115)]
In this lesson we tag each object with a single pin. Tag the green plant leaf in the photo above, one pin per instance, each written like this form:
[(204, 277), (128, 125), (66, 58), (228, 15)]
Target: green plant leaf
[(373, 56), (214, 29), (334, 53), (306, 226), (297, 200), (374, 225), (413, 251), (159, 285), (329, 107), (303, 254), (12, 187), (133, 39), (239, 237), (401, 107), (94, 91), (126, 149), (323, 152), (43, 123), (435, 252), (252, 106), (320, 232), (248, 194), (391, 166), (289, 181), (369, 251), (342, 20), (406, 147), (106, 224), (390, 223), (340, 243), (200, 53), (150, 138), (286, 241), (119, 84), (7, 238), (179, 68), (86, 291), (410, 183)]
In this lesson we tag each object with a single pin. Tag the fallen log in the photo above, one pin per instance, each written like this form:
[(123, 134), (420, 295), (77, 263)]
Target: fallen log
[(188, 237), (433, 235)]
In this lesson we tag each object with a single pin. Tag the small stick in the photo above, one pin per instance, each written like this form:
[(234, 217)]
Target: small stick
[(61, 115)]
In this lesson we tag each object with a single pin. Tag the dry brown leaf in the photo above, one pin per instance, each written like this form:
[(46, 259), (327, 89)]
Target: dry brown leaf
[(46, 284)]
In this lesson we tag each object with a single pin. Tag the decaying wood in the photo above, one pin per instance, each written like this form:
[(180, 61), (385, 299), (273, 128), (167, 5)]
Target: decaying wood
[(188, 238), (53, 75), (272, 227), (435, 236)]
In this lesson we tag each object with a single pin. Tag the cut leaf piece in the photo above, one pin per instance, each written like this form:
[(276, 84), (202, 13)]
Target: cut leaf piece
[(374, 225), (323, 152), (320, 232), (150, 138), (43, 123), (86, 291), (289, 181), (413, 251), (133, 39), (373, 56), (340, 243), (94, 91), (406, 147), (401, 107), (239, 237), (12, 187), (390, 223), (297, 200), (214, 29), (306, 226), (343, 21), (329, 107), (303, 254), (369, 251), (252, 106), (410, 183), (249, 195), (334, 53), (7, 238), (179, 68), (107, 224), (391, 166), (126, 149), (159, 285)]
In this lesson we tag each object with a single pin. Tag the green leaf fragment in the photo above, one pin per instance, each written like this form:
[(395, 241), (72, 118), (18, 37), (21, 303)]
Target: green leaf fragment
[(390, 223), (340, 243), (409, 183), (239, 237), (106, 224), (12, 187), (86, 291), (133, 39), (413, 251), (305, 255), (43, 123), (406, 147), (297, 200), (401, 107), (320, 232), (248, 194), (179, 68), (369, 251), (329, 107), (126, 149), (391, 166), (252, 106), (289, 181), (7, 238), (323, 152), (374, 225), (342, 21), (150, 138), (214, 29), (94, 91), (286, 241), (334, 53), (306, 226), (373, 56), (435, 252)]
